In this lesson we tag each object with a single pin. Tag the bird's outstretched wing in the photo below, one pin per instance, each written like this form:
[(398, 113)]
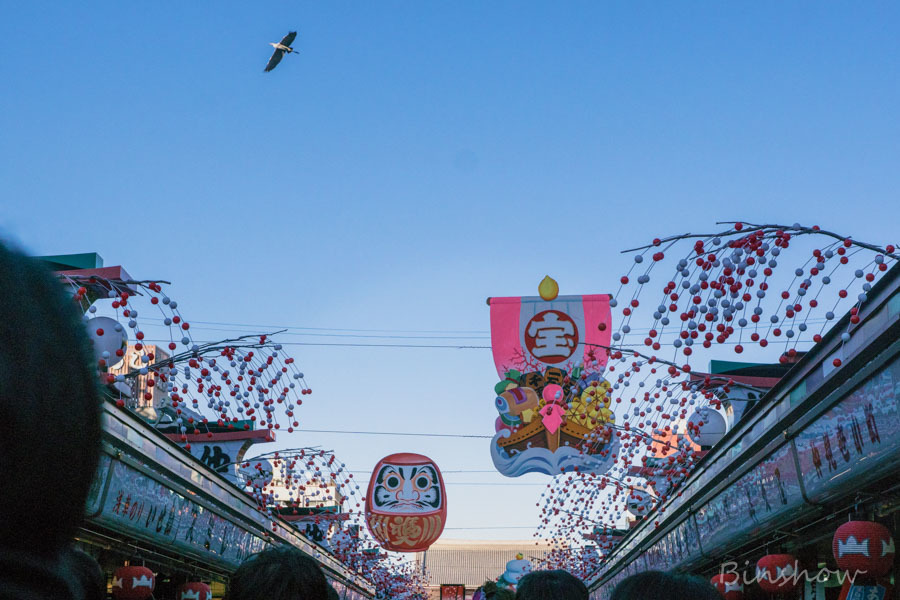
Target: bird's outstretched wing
[(274, 60), (288, 39)]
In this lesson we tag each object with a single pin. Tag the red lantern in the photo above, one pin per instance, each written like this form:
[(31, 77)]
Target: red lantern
[(865, 548), (406, 504), (133, 583), (194, 590), (776, 573), (728, 585)]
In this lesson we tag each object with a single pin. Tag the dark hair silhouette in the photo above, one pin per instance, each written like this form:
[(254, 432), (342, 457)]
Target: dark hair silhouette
[(278, 574), (332, 593), (551, 585), (83, 573), (49, 410), (659, 585)]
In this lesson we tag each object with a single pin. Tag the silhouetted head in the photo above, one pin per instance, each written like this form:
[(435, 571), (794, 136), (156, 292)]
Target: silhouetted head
[(278, 574), (551, 585), (84, 573), (49, 409), (659, 585)]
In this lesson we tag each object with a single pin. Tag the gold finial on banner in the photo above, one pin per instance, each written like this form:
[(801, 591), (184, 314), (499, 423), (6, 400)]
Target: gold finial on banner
[(548, 288)]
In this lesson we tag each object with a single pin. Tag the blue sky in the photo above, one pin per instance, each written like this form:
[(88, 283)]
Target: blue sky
[(415, 158)]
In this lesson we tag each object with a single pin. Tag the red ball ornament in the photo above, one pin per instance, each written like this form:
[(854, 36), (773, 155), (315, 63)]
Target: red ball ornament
[(729, 586), (864, 547), (133, 583), (775, 573)]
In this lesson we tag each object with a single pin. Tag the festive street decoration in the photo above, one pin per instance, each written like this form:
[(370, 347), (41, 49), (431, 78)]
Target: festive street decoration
[(109, 340), (180, 384), (194, 590), (548, 289), (728, 585), (133, 583), (685, 300), (706, 426), (775, 573), (516, 569), (406, 502), (246, 387), (865, 548), (552, 401)]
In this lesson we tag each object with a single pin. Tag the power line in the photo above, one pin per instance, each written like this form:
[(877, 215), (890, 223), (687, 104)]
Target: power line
[(398, 433), (338, 335), (444, 471), (482, 331), (454, 346), (496, 527), (503, 483)]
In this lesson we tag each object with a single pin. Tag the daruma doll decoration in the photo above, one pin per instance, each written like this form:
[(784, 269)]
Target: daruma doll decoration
[(406, 505)]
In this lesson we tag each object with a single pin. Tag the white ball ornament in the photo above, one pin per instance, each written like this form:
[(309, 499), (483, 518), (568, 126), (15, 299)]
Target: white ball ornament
[(107, 336)]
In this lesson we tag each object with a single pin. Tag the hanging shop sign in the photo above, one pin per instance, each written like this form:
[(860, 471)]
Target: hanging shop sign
[(553, 403), (855, 439), (138, 504), (767, 493), (450, 591), (406, 503)]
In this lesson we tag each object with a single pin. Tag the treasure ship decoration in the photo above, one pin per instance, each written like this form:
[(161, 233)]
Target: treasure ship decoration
[(553, 403)]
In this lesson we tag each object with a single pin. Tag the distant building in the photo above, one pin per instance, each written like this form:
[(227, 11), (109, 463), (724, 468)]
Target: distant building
[(471, 563)]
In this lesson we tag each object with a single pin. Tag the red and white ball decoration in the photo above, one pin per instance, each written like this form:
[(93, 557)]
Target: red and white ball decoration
[(688, 299)]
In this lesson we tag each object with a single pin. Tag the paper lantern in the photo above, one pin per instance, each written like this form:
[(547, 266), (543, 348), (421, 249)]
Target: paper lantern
[(406, 504), (194, 590), (133, 583), (728, 585), (864, 547), (107, 336), (775, 573), (639, 502), (706, 427)]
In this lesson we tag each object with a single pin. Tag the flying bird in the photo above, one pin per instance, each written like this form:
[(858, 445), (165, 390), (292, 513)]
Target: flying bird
[(281, 48)]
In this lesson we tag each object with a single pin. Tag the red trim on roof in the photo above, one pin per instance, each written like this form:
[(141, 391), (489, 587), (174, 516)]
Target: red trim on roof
[(758, 382), (264, 435)]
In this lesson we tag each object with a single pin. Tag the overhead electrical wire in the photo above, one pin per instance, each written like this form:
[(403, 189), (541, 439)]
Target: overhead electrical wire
[(400, 433)]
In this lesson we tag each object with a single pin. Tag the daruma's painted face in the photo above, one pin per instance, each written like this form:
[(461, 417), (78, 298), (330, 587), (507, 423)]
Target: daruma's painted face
[(407, 489), (406, 503)]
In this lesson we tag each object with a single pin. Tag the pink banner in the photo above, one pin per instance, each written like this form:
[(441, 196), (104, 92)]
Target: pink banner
[(531, 334)]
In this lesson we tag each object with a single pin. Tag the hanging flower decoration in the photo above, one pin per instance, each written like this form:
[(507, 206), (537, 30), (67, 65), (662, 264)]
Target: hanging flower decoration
[(248, 381), (686, 299)]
